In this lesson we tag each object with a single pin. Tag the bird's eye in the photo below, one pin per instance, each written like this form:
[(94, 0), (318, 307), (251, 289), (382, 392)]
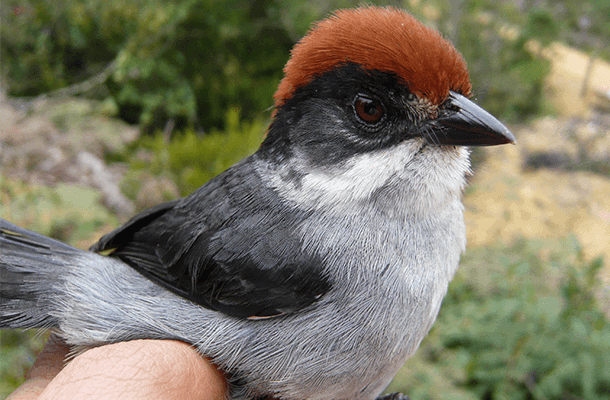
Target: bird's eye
[(368, 110)]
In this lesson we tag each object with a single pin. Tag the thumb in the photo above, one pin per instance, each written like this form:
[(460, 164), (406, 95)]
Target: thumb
[(139, 369)]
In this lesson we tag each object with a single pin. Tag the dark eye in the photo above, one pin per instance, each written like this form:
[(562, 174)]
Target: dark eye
[(368, 110)]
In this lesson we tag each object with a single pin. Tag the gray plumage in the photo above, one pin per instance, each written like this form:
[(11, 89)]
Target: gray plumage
[(310, 270), (362, 331)]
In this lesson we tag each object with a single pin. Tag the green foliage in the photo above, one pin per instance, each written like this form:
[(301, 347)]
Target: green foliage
[(496, 40), (189, 61), (587, 24), (183, 61), (190, 159), (47, 45), (18, 351), (68, 213), (531, 329)]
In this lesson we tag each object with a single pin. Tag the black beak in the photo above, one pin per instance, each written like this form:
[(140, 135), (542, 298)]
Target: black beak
[(463, 123)]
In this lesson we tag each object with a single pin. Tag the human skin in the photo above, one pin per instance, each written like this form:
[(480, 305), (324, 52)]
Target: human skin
[(139, 369)]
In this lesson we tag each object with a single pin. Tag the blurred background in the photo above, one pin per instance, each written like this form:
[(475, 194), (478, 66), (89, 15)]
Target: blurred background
[(110, 107)]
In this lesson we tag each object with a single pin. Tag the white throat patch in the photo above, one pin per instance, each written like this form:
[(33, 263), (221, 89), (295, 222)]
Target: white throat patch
[(414, 175)]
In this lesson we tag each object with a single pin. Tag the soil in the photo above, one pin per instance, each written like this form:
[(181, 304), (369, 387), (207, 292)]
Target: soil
[(556, 180)]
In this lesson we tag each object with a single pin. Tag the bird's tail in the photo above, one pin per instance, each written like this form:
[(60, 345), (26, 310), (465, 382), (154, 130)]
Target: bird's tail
[(31, 270)]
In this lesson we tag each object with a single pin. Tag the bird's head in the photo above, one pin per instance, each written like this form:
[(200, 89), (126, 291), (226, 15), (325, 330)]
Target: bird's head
[(371, 96)]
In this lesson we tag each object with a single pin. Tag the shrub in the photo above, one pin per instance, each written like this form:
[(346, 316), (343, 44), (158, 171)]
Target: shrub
[(190, 159), (523, 328)]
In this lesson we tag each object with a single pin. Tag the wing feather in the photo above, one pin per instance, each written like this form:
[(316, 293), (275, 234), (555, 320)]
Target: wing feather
[(230, 247)]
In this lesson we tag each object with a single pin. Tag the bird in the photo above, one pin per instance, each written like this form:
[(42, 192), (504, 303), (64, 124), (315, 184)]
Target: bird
[(313, 268)]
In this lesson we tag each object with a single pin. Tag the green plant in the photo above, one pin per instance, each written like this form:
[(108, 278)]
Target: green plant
[(495, 39), (184, 62), (18, 351), (68, 213), (530, 329), (190, 159)]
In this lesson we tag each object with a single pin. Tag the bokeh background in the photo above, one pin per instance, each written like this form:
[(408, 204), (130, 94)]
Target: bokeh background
[(109, 107)]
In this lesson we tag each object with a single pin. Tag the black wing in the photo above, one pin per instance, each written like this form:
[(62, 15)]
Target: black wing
[(230, 246)]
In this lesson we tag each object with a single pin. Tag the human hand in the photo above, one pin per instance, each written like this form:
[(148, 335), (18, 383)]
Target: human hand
[(139, 369)]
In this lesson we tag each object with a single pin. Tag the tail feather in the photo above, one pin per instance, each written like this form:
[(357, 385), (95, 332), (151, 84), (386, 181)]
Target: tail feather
[(31, 267)]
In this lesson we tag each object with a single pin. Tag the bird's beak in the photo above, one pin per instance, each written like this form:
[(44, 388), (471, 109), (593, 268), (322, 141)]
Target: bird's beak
[(467, 124)]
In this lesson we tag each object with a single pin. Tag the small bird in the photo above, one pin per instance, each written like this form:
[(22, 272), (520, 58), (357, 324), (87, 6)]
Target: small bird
[(315, 267)]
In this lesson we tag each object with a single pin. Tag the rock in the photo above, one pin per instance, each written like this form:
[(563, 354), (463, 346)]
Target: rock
[(94, 172)]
